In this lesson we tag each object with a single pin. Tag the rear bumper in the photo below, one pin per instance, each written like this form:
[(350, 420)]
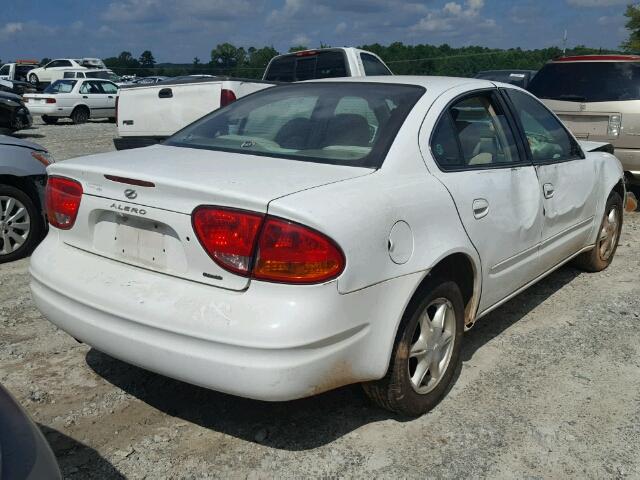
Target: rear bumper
[(271, 342), (52, 110), (125, 143)]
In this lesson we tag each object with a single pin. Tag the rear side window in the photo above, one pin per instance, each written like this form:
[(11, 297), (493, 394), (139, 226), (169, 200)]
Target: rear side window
[(373, 66), (548, 140), (588, 81), (474, 134), (109, 88), (296, 67)]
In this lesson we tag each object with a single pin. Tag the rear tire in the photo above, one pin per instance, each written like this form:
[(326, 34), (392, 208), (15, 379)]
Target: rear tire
[(426, 353), (80, 115), (601, 256), (33, 79), (49, 120), (21, 224)]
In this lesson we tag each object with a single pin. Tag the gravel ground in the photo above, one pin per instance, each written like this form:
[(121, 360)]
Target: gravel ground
[(549, 388)]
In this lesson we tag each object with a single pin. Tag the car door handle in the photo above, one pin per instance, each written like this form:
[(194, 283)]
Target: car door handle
[(480, 208), (165, 93), (84, 96), (110, 96), (548, 190)]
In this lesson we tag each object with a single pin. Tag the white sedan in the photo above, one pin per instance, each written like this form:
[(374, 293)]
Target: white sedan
[(78, 99), (318, 234)]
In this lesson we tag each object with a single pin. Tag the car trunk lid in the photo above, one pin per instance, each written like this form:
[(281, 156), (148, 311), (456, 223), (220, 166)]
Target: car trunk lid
[(137, 204)]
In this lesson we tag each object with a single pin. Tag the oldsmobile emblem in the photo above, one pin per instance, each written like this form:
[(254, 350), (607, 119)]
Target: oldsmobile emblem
[(130, 193)]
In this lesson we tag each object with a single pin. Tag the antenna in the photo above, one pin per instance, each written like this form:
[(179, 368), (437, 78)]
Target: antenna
[(564, 43)]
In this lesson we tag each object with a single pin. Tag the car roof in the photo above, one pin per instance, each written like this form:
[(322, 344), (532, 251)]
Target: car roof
[(597, 58), (434, 84)]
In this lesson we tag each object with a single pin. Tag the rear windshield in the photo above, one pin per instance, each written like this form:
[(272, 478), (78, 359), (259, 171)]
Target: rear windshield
[(588, 81), (338, 123), (305, 66), (60, 86)]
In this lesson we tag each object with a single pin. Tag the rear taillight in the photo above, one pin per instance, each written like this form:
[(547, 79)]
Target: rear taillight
[(50, 100), (228, 236), (615, 123), (292, 253), (63, 197), (265, 247), (226, 97)]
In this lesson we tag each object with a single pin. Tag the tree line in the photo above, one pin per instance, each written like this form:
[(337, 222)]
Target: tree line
[(421, 59)]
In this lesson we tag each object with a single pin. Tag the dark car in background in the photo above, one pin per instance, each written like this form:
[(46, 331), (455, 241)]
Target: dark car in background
[(23, 178), (520, 78), (598, 98), (14, 115)]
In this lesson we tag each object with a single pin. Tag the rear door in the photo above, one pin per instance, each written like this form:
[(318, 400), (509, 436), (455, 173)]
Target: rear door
[(567, 179), (483, 164), (111, 92), (97, 99)]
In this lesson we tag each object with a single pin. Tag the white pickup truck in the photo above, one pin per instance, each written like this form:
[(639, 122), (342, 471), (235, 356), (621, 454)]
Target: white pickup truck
[(148, 114)]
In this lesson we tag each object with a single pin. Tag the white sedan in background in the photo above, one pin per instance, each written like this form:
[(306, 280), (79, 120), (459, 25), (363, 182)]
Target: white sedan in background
[(78, 99), (323, 233)]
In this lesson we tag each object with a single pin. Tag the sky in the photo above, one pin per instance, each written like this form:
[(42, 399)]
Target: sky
[(178, 30)]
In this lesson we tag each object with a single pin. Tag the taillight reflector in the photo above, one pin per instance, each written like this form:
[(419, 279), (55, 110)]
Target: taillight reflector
[(226, 97), (62, 200), (265, 247), (228, 236), (292, 253), (50, 100)]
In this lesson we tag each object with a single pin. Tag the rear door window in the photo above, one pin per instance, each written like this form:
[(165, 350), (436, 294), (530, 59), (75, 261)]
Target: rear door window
[(474, 134), (588, 81), (373, 66), (548, 140)]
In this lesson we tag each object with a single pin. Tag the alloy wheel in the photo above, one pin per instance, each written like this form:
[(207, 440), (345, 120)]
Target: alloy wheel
[(15, 225), (609, 233), (432, 345)]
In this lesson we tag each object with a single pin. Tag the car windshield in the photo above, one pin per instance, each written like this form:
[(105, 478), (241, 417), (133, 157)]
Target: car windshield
[(60, 86), (338, 123), (99, 74), (588, 81)]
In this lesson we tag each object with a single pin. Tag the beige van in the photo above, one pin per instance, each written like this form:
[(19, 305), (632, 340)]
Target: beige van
[(598, 98)]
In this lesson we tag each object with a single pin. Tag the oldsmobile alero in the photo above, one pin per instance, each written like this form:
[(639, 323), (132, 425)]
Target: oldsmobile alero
[(324, 233)]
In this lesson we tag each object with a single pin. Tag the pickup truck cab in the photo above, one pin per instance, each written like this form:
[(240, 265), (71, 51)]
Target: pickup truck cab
[(17, 71), (324, 63), (148, 114)]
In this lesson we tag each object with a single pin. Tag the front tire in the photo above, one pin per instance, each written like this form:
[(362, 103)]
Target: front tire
[(601, 256), (426, 352), (33, 79), (21, 224), (49, 120)]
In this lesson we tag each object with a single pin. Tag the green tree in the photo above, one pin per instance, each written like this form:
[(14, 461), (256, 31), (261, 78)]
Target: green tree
[(298, 48), (226, 58), (633, 25), (146, 59)]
